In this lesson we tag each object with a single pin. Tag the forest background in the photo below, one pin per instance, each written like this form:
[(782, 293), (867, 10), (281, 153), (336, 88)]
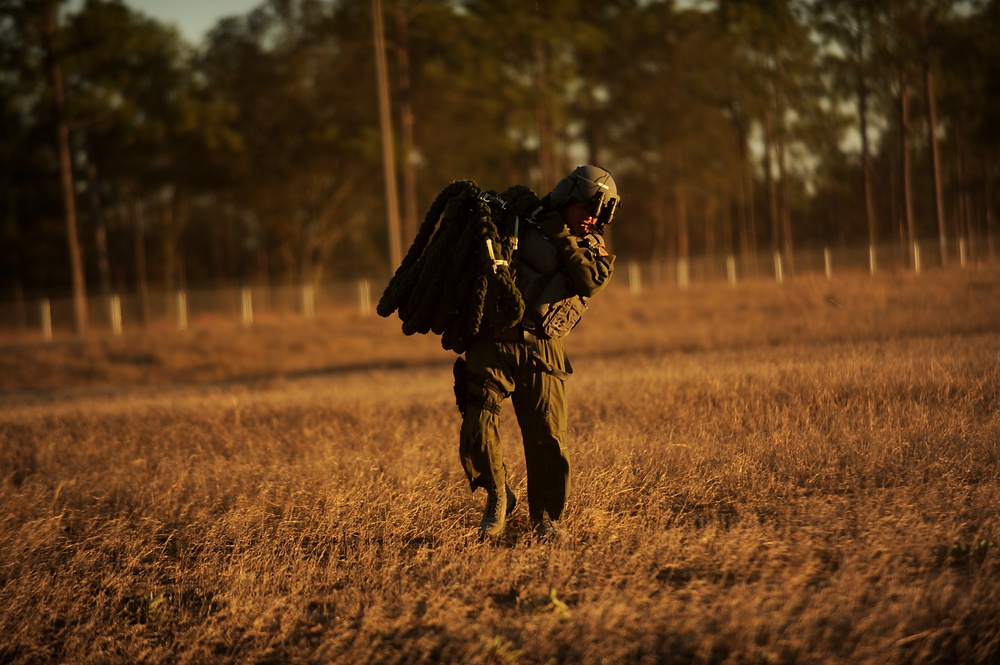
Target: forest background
[(130, 157)]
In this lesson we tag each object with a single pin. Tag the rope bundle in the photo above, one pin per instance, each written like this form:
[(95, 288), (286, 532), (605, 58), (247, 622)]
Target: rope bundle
[(448, 283)]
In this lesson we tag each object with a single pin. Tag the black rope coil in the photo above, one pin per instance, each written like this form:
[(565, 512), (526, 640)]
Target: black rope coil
[(448, 283)]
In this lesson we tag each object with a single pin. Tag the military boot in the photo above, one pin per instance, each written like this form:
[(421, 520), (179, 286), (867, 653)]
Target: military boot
[(498, 507), (547, 529)]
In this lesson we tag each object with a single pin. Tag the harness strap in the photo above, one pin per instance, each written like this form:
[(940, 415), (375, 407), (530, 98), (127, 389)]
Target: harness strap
[(531, 339)]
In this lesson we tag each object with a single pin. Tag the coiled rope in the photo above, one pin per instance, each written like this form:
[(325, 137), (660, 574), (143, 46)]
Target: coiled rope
[(456, 279)]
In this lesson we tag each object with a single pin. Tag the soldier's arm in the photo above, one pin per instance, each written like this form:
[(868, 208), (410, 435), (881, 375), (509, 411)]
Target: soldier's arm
[(583, 259), (586, 262)]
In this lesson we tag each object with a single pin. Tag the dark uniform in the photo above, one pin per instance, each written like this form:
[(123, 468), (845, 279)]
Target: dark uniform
[(528, 364)]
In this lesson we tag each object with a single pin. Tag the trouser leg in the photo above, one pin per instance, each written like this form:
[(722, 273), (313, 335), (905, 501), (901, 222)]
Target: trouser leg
[(480, 446), (541, 408)]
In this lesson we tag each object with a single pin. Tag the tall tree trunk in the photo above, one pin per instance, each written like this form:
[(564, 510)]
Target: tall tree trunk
[(66, 173), (866, 174), (742, 241), (181, 273), (176, 213), (235, 268), (904, 129), (935, 157), (866, 157), (750, 219), (897, 219), (772, 194), (407, 122), (965, 223), (683, 235), (168, 246), (264, 269), (747, 230), (217, 235), (139, 247), (786, 210), (100, 228), (987, 206), (657, 241), (543, 109), (388, 149), (710, 209), (20, 310), (781, 145)]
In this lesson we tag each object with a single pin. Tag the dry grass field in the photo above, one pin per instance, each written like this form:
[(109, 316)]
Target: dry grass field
[(807, 473)]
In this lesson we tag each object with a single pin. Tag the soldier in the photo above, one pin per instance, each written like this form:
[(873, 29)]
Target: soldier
[(561, 261)]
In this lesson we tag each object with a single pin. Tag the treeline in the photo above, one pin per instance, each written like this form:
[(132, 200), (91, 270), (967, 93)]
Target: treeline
[(737, 126)]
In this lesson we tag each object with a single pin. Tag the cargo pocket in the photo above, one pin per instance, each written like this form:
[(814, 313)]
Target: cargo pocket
[(563, 316)]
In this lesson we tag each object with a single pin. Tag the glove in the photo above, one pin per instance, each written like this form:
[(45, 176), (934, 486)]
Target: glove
[(553, 226)]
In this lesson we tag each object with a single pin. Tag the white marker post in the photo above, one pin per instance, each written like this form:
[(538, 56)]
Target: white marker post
[(309, 301), (115, 307), (46, 311), (634, 279), (247, 300), (182, 311), (364, 297)]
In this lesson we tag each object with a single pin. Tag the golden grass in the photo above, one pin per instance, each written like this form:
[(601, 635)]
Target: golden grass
[(796, 474)]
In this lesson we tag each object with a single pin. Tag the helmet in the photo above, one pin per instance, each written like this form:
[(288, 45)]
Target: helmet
[(594, 187)]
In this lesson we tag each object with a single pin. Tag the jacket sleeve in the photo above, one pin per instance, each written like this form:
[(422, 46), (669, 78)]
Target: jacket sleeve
[(586, 262)]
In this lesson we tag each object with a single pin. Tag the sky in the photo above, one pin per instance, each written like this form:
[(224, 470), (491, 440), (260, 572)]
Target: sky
[(194, 18)]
